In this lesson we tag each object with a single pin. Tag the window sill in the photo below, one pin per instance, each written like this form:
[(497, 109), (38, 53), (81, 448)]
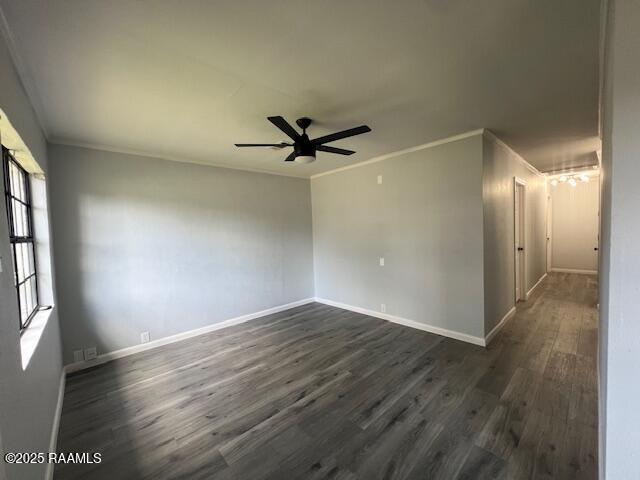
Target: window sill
[(30, 337)]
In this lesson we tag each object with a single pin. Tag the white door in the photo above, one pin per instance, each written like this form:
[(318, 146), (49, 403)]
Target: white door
[(519, 240), (575, 224), (549, 233)]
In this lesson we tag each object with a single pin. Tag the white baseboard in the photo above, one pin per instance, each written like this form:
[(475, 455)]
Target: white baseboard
[(406, 322), (537, 283), (573, 270), (124, 352), (494, 331), (53, 439)]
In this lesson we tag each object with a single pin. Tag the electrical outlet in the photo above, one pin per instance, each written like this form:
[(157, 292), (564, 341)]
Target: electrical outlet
[(382, 261), (90, 353), (144, 337), (379, 179), (383, 308), (78, 356)]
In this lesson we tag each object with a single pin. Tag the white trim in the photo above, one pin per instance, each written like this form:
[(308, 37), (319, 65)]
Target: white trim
[(494, 331), (492, 136), (520, 274), (124, 352), (574, 270), (549, 232), (537, 283), (169, 158), (406, 322), (387, 156), (520, 181), (589, 171), (53, 439)]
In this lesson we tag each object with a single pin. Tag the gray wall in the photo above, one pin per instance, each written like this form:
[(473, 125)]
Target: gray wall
[(27, 398), (151, 245), (620, 256), (425, 220), (500, 167)]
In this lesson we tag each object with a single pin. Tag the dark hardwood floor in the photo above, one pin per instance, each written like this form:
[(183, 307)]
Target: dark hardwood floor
[(318, 392)]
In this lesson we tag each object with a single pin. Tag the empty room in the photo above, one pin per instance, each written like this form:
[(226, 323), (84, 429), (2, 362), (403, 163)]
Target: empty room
[(278, 239)]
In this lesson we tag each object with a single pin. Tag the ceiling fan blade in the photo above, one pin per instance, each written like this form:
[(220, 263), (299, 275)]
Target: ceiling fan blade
[(291, 157), (339, 135), (283, 125), (280, 145), (339, 151)]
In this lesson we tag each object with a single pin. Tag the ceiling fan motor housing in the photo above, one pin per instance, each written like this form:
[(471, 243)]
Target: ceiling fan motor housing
[(304, 148), (305, 151)]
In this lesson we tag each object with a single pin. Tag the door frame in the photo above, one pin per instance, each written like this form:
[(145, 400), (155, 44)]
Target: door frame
[(520, 274), (549, 232)]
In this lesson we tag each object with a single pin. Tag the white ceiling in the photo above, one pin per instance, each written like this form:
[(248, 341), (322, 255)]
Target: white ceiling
[(187, 79)]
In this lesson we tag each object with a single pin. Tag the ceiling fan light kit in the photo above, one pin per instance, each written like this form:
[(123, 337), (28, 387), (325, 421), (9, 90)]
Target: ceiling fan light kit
[(304, 148), (305, 158)]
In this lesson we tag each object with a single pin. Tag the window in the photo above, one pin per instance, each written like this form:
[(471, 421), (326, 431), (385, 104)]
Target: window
[(18, 201)]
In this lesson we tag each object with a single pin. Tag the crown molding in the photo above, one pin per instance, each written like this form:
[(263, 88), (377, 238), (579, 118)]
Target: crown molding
[(23, 73), (578, 169), (494, 138), (397, 153), (153, 156)]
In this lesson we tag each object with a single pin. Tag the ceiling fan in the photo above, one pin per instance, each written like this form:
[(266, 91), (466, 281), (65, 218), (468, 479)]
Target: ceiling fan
[(304, 149)]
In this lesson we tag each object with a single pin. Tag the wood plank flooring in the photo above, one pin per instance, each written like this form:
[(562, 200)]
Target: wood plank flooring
[(317, 392)]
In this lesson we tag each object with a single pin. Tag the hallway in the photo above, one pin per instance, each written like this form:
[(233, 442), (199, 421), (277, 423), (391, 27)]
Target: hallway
[(320, 392), (546, 376)]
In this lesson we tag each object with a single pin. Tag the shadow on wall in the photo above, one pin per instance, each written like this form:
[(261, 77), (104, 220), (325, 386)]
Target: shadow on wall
[(145, 245)]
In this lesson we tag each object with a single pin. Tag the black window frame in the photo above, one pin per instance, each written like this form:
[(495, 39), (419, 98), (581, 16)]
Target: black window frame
[(14, 239)]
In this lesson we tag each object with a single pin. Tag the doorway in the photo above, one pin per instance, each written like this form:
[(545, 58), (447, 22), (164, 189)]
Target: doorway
[(519, 244), (575, 223), (549, 233)]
